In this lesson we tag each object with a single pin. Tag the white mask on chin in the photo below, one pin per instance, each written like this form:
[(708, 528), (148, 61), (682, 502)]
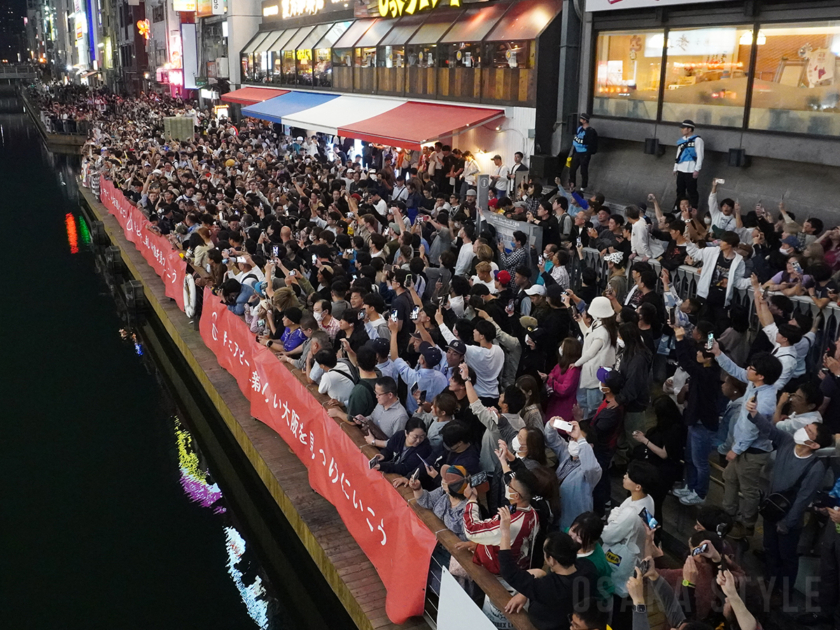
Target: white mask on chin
[(574, 448)]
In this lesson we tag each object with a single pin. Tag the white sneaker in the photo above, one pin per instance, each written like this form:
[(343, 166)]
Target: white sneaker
[(681, 492), (692, 499)]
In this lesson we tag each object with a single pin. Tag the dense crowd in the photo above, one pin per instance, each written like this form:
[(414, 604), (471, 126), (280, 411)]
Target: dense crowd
[(508, 387)]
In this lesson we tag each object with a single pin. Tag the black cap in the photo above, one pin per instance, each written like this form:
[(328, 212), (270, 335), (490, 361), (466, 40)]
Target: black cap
[(687, 123), (584, 116)]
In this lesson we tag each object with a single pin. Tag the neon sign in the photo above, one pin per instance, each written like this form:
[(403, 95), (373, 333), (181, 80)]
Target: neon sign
[(72, 235), (296, 8), (397, 8), (143, 28)]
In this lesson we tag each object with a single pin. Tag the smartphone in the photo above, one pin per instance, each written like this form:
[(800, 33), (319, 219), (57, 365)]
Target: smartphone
[(408, 280), (478, 479), (240, 259), (292, 272), (673, 315), (415, 313), (415, 474), (314, 259), (701, 549), (442, 302), (422, 397), (510, 306), (710, 341), (540, 259), (394, 315), (349, 215), (796, 266), (720, 181), (361, 315), (579, 242), (425, 463), (643, 565), (651, 522), (561, 424), (372, 462), (754, 399), (349, 252)]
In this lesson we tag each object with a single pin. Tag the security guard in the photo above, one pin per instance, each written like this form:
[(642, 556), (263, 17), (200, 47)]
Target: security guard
[(584, 146), (690, 150)]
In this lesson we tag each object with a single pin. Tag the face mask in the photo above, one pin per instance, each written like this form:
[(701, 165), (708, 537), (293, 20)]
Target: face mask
[(801, 436), (508, 493), (574, 448), (318, 315), (516, 444), (707, 220), (602, 388), (620, 343), (783, 250)]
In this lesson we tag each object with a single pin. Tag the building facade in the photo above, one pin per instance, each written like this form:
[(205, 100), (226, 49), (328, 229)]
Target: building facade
[(761, 80)]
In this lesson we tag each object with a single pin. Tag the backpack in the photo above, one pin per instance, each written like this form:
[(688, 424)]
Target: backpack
[(592, 147), (352, 372)]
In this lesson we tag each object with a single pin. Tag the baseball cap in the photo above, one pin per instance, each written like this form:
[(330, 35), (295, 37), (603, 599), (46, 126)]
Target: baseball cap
[(380, 346), (611, 378), (458, 346), (687, 123), (536, 289), (456, 478), (503, 277), (471, 193), (792, 241), (584, 116), (615, 258), (432, 355)]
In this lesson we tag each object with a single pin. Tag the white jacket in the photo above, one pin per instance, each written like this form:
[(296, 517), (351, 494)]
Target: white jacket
[(709, 256), (597, 352)]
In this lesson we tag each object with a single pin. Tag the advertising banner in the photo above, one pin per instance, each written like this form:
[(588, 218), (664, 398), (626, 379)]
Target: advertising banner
[(156, 249), (394, 539), (506, 227)]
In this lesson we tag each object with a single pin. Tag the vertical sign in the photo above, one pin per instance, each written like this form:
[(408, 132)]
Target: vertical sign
[(217, 7), (483, 188)]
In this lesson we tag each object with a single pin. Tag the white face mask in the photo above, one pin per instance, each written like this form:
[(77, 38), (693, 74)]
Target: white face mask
[(516, 444), (620, 343), (783, 250), (574, 448), (602, 388), (801, 436), (508, 493), (707, 220), (318, 315)]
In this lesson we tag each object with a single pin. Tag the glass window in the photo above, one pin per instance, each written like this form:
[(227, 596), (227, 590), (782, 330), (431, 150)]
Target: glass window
[(365, 57), (460, 56), (391, 57), (627, 70), (796, 86), (706, 75), (342, 57), (510, 54)]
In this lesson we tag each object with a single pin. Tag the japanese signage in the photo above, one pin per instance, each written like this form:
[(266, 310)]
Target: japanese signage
[(606, 5), (156, 249), (217, 7), (297, 8), (378, 518), (386, 528), (397, 8), (187, 6)]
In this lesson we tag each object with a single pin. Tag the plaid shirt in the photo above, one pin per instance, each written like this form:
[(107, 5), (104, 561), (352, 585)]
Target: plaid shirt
[(517, 258)]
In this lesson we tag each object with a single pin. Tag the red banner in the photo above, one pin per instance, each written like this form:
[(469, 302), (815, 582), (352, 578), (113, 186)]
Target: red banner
[(392, 536), (156, 249)]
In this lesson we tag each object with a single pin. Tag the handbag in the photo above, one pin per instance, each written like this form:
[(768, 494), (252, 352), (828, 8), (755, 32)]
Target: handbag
[(776, 505)]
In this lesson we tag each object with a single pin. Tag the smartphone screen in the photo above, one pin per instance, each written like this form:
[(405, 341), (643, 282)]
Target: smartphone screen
[(673, 315), (314, 259), (415, 313), (710, 341), (275, 251), (394, 315), (372, 462)]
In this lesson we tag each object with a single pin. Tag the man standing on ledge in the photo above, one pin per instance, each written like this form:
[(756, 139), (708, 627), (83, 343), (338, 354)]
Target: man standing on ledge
[(584, 146), (690, 150)]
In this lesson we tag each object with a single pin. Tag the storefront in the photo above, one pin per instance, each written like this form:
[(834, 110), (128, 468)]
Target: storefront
[(761, 80), (501, 54)]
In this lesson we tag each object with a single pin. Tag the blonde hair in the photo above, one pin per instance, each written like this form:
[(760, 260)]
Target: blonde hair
[(484, 252), (483, 267)]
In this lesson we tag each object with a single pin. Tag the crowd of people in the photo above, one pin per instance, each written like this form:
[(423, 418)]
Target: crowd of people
[(514, 390)]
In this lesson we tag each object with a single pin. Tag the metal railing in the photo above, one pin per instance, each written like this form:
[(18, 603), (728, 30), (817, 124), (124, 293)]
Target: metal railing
[(684, 281)]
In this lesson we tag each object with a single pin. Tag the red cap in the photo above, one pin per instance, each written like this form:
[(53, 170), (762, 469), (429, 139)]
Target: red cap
[(503, 277)]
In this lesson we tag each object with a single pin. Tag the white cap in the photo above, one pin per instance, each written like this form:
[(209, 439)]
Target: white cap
[(536, 289)]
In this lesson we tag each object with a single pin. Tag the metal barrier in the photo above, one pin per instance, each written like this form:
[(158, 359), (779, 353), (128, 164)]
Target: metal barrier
[(684, 281)]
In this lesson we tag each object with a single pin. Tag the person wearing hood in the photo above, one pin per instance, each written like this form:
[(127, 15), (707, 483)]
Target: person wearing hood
[(599, 347), (578, 470)]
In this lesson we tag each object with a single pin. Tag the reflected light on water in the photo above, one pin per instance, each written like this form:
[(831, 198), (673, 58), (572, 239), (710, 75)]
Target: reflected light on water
[(72, 235)]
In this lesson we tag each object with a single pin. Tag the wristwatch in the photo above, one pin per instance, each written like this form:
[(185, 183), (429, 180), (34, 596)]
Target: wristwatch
[(269, 343), (639, 608)]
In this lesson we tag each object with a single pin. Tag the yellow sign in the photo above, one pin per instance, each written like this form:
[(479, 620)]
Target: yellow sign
[(304, 54), (185, 6), (397, 8), (296, 8)]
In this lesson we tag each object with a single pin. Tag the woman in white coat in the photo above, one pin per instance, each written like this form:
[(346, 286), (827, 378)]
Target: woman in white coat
[(599, 345)]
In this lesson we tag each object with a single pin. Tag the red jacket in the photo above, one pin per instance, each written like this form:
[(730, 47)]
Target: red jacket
[(524, 525)]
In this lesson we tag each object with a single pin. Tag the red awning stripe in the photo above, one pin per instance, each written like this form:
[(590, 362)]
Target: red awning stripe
[(412, 124), (249, 95)]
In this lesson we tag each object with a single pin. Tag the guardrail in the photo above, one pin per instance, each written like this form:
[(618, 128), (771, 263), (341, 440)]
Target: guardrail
[(684, 280), (17, 72)]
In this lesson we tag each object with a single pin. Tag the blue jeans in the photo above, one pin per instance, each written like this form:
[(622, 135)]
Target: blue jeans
[(697, 459), (588, 400)]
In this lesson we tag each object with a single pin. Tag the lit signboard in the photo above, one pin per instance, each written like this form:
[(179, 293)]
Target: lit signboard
[(271, 10), (397, 8), (297, 8), (186, 6)]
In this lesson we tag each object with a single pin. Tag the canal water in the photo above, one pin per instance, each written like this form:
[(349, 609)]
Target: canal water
[(111, 516)]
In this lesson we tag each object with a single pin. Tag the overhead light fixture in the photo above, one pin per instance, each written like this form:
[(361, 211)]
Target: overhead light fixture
[(747, 38)]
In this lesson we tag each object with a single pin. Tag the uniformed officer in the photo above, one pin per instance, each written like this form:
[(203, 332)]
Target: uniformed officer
[(689, 161)]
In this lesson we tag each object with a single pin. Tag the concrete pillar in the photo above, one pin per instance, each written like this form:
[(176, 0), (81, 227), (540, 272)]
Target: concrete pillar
[(244, 18)]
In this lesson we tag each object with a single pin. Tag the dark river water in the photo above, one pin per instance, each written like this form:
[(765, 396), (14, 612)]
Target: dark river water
[(109, 514)]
